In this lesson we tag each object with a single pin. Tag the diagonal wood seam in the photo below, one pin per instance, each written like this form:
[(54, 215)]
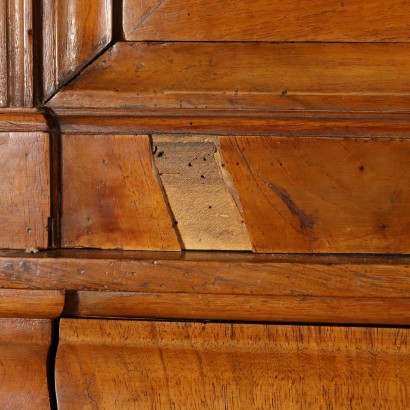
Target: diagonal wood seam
[(146, 16)]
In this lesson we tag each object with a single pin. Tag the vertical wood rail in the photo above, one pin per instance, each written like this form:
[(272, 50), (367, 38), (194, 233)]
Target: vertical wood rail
[(16, 53)]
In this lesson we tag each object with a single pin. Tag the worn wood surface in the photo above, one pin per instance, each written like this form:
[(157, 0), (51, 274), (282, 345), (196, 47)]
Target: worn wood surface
[(228, 122), (267, 20), (111, 195), (35, 304), (24, 346), (24, 190), (16, 53), (322, 195), (209, 272), (289, 309), (244, 75), (200, 195), (74, 33), (218, 366)]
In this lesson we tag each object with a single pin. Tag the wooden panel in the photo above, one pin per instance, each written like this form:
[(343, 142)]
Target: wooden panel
[(219, 366), (16, 53), (198, 193), (74, 32), (34, 304), (111, 197), (289, 309), (24, 346), (244, 75), (24, 190), (220, 273), (323, 195), (267, 20)]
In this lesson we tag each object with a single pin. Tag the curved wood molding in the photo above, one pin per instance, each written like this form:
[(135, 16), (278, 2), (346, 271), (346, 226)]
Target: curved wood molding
[(24, 349), (219, 366)]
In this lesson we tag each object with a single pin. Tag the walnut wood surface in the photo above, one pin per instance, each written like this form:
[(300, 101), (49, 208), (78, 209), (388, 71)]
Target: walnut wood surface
[(322, 195), (111, 196), (36, 304), (267, 20), (24, 346), (74, 32), (16, 53), (24, 190), (218, 366), (244, 75), (335, 195)]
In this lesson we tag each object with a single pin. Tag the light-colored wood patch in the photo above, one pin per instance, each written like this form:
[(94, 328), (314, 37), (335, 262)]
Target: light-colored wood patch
[(111, 197), (199, 197)]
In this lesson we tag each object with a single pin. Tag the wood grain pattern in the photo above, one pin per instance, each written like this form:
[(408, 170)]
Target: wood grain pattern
[(198, 194), (267, 20), (222, 273), (74, 32), (35, 304), (322, 195), (24, 190), (111, 197), (16, 53), (217, 366), (25, 121), (244, 75), (24, 346), (289, 309)]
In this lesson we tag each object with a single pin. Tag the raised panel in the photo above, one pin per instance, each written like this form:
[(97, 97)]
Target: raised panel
[(267, 20)]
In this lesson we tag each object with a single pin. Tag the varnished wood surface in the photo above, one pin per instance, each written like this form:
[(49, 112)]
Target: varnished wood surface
[(322, 195), (267, 20), (230, 122), (244, 75), (16, 53), (218, 366), (24, 346), (289, 309), (36, 304), (74, 33), (111, 196), (269, 194), (208, 272), (24, 190), (23, 121), (200, 194)]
